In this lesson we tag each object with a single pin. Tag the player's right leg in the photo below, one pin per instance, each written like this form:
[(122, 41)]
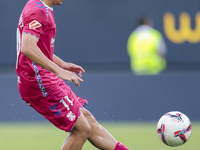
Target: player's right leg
[(99, 136), (79, 134)]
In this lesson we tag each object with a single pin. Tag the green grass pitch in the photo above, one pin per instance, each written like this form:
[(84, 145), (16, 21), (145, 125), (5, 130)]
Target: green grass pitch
[(44, 136)]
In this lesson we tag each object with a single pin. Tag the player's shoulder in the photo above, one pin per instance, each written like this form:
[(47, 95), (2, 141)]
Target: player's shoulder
[(35, 7)]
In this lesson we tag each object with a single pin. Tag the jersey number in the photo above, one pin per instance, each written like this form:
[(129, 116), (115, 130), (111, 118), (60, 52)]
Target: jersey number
[(65, 104)]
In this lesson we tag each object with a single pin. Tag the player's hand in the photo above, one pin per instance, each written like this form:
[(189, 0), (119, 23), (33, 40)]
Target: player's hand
[(69, 76), (74, 68)]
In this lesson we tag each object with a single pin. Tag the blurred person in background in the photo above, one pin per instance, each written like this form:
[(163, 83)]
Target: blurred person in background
[(147, 49)]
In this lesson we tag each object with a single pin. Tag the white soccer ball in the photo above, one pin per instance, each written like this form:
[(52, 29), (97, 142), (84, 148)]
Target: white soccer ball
[(174, 128)]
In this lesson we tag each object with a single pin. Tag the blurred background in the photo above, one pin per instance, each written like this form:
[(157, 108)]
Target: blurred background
[(94, 34)]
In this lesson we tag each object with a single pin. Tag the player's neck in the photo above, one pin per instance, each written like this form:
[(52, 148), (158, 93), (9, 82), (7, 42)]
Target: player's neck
[(48, 3)]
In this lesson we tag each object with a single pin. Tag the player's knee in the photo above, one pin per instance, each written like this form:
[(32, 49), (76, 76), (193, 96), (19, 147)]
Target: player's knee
[(90, 118), (87, 132)]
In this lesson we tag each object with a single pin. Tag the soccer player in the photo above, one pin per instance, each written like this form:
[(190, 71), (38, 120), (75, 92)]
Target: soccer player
[(41, 76)]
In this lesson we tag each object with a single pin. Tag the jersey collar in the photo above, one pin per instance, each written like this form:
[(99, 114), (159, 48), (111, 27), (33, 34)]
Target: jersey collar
[(47, 5)]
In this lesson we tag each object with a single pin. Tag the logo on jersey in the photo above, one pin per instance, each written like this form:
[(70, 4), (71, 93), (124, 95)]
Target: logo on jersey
[(39, 4), (18, 79), (34, 24), (71, 116), (52, 40)]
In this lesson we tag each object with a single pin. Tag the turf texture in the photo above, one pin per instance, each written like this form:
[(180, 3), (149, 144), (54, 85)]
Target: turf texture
[(44, 136)]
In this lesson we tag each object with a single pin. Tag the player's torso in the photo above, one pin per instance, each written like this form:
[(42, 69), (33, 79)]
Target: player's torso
[(46, 22), (36, 19)]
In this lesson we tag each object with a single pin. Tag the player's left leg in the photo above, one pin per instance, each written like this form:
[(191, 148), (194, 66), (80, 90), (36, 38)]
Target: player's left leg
[(79, 134), (99, 136)]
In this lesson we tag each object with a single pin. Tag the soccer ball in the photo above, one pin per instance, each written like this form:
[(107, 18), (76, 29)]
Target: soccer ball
[(174, 128)]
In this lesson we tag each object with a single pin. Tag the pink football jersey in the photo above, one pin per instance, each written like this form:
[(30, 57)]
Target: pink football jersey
[(35, 82)]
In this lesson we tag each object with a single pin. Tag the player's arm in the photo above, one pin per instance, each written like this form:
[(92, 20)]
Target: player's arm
[(33, 52), (68, 66)]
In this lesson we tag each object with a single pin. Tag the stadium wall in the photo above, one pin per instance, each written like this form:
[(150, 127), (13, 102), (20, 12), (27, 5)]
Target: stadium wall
[(97, 31), (116, 97)]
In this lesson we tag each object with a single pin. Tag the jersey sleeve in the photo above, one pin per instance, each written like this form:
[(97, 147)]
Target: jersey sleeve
[(35, 23)]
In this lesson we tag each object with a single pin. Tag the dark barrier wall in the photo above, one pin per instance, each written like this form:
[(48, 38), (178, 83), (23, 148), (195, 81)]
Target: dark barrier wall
[(96, 31), (117, 96)]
